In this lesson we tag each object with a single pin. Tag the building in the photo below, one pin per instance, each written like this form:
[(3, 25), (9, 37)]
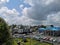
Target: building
[(52, 31), (21, 30)]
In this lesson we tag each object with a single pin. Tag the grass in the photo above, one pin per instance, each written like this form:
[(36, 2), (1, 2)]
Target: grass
[(31, 42), (15, 42)]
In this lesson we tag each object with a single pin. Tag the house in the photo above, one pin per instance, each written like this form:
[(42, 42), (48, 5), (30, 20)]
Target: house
[(20, 29), (14, 30)]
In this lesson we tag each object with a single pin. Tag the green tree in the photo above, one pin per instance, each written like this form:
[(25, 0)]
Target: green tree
[(42, 26), (52, 25), (5, 36)]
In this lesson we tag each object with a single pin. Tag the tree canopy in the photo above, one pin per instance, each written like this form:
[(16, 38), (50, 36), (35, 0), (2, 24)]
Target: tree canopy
[(5, 36)]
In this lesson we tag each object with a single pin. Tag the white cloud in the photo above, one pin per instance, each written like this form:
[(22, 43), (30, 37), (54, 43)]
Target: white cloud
[(5, 10), (3, 1), (9, 15), (27, 21), (54, 19), (12, 17), (21, 6)]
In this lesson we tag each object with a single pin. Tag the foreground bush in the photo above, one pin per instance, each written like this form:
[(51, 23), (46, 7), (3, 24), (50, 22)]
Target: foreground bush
[(5, 36)]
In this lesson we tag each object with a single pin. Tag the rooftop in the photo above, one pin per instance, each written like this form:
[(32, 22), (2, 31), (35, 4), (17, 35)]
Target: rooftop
[(51, 28)]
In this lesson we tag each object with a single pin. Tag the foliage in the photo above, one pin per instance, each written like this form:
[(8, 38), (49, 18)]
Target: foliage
[(11, 42), (42, 26), (4, 33), (13, 25), (51, 25)]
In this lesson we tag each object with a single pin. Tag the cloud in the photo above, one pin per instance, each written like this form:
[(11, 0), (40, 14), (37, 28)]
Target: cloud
[(54, 19), (2, 2), (40, 10), (9, 15), (27, 21), (21, 6), (13, 17)]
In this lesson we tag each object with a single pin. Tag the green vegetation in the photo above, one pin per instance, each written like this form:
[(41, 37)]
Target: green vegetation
[(31, 42), (10, 42), (42, 26), (5, 36)]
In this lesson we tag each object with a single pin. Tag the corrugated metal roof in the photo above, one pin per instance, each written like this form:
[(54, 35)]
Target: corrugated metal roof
[(55, 28)]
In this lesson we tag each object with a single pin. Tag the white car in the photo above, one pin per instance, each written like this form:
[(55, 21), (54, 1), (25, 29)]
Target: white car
[(51, 39), (54, 40), (44, 38)]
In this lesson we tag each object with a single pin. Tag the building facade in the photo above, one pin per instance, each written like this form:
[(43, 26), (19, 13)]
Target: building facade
[(51, 31)]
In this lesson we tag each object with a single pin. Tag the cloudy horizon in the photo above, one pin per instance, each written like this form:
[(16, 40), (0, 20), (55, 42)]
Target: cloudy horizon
[(31, 12)]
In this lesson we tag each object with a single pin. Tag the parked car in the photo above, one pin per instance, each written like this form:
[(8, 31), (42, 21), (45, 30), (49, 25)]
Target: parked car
[(44, 38), (54, 40), (51, 39)]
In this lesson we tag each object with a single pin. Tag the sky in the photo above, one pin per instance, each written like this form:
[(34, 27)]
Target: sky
[(30, 12)]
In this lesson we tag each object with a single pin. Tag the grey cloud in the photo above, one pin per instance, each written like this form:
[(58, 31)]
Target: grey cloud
[(54, 19), (39, 10)]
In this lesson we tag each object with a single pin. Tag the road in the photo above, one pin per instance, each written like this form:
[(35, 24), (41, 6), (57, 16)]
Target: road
[(31, 35)]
